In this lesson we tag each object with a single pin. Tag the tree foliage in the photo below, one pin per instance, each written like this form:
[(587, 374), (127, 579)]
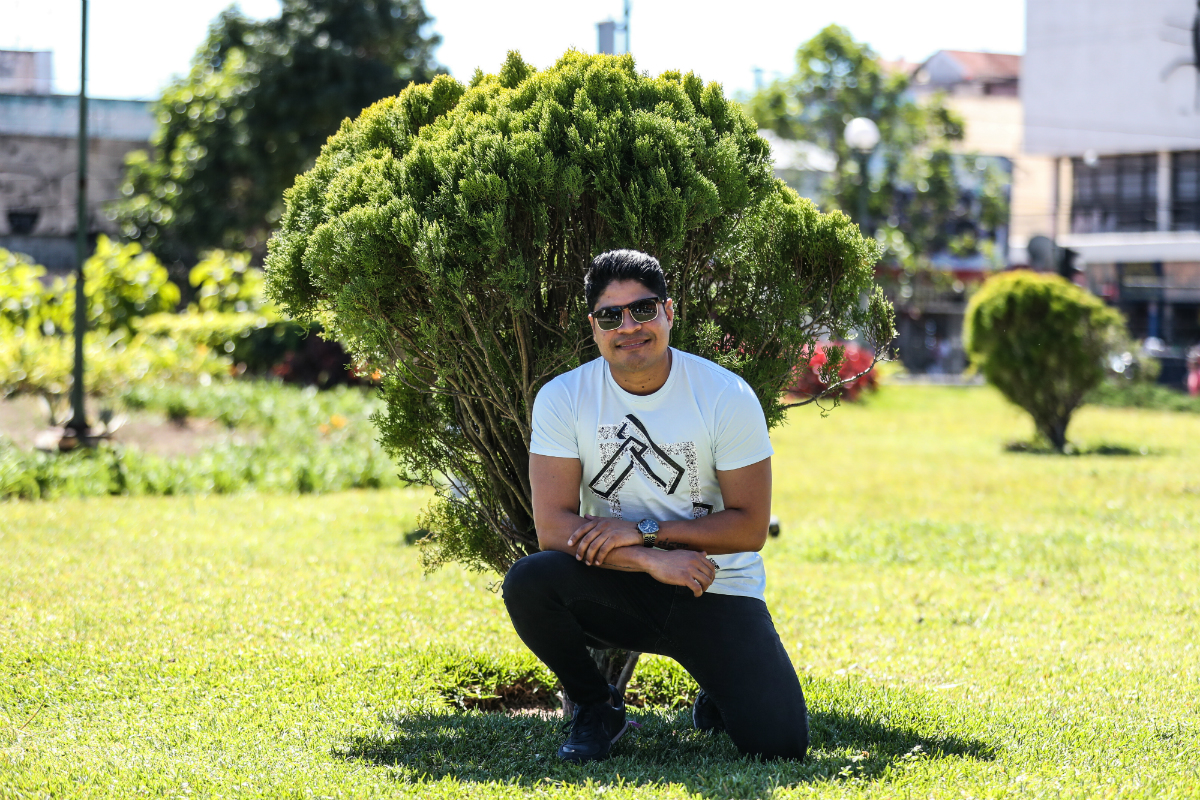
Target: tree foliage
[(1042, 341), (124, 287), (259, 102), (922, 196), (445, 233), (27, 302), (122, 284)]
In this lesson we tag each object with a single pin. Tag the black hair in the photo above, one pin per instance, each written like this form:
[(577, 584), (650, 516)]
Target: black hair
[(623, 265)]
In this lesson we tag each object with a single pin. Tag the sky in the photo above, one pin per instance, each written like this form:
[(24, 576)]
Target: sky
[(135, 47)]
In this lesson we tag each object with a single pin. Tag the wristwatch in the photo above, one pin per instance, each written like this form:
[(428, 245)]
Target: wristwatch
[(649, 531)]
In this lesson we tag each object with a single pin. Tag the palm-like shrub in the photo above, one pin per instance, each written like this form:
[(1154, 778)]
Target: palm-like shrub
[(444, 235), (1042, 342)]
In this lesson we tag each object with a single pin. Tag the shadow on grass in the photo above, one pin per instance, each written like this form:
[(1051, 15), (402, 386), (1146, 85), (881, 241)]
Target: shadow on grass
[(501, 748), (1039, 448)]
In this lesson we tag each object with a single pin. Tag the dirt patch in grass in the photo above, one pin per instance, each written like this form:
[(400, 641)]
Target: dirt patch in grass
[(520, 696), (23, 418)]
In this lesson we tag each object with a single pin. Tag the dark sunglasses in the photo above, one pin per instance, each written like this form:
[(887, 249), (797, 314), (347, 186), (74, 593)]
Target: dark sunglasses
[(609, 318)]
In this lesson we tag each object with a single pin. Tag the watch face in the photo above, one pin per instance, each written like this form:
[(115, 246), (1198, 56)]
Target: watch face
[(648, 526)]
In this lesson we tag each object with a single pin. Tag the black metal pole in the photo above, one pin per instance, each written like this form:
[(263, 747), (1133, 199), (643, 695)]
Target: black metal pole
[(864, 158), (79, 423)]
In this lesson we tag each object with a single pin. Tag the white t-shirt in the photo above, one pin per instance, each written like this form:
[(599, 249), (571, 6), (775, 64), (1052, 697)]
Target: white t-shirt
[(656, 456)]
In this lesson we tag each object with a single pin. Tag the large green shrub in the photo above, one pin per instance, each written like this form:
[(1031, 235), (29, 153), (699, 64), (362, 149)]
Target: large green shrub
[(444, 235), (1042, 342)]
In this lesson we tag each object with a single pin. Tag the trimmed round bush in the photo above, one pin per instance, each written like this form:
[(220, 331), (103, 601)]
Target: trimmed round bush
[(1041, 341), (443, 236)]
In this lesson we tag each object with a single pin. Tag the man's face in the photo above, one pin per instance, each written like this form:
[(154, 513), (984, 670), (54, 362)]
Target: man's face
[(634, 346)]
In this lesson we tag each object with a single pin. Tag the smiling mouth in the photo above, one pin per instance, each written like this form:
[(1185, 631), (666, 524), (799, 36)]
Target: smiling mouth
[(632, 344)]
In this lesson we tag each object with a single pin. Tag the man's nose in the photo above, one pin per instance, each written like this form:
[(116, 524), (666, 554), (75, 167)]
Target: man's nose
[(628, 323)]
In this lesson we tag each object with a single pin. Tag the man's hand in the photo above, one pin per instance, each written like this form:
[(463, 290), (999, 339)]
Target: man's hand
[(682, 568), (597, 536)]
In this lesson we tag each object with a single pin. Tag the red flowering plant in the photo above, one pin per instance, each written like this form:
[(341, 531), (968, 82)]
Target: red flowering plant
[(833, 362)]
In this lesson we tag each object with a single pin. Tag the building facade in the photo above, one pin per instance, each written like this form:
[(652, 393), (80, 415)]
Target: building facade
[(1111, 91), (39, 157)]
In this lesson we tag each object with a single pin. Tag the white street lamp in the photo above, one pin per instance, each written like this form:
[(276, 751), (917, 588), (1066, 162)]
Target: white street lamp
[(862, 134)]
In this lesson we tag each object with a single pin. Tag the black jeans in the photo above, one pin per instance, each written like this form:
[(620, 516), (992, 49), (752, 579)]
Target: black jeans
[(560, 606)]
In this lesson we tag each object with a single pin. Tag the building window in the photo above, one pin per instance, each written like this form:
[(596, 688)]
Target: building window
[(1185, 191), (1116, 193)]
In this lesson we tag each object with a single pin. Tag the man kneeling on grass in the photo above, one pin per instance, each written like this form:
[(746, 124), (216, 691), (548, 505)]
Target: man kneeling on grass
[(651, 477)]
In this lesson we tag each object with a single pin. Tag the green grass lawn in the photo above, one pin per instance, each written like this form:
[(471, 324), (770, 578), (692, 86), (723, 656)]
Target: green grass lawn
[(967, 622)]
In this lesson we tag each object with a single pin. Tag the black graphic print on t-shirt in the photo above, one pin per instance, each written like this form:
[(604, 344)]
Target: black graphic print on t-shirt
[(629, 450)]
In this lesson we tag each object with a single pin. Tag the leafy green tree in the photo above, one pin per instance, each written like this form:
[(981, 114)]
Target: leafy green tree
[(225, 282), (916, 192), (123, 283), (259, 102), (444, 235), (1042, 341), (27, 303), (124, 287)]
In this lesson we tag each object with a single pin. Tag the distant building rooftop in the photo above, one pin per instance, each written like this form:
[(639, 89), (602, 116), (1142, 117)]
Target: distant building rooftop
[(56, 115), (966, 72), (900, 65)]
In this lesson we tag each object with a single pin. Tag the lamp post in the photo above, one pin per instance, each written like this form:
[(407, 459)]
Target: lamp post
[(78, 426), (862, 135)]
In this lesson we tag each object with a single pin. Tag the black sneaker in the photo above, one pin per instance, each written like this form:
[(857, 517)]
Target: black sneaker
[(705, 715), (594, 730)]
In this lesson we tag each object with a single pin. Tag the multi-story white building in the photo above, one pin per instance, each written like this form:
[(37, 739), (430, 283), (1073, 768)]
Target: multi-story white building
[(1111, 91)]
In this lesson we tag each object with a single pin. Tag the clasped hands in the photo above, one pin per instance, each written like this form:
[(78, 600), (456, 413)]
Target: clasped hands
[(597, 537)]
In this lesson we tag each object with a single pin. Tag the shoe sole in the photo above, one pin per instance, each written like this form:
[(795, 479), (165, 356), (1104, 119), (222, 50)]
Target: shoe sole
[(624, 728)]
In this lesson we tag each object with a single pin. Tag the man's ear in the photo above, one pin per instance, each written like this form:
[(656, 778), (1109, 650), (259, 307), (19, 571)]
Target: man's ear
[(669, 307)]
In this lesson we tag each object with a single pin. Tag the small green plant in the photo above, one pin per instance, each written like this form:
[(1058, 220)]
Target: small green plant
[(288, 439), (31, 363), (123, 286), (232, 316), (121, 283), (1042, 342), (1143, 394)]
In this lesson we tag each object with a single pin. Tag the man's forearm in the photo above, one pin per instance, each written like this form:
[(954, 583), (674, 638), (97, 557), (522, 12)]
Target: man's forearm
[(730, 531), (554, 533), (628, 559)]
